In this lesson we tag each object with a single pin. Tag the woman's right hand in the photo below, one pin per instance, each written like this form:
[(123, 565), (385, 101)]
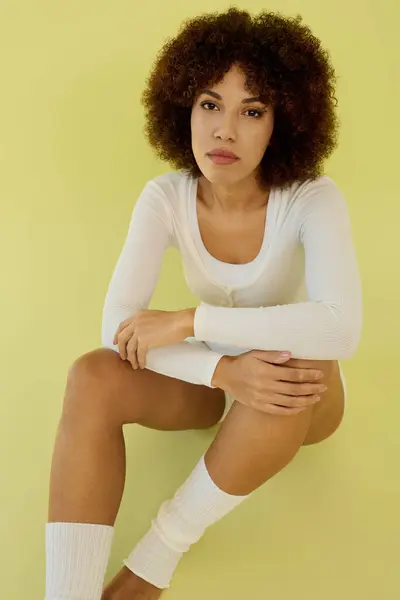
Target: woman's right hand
[(259, 379)]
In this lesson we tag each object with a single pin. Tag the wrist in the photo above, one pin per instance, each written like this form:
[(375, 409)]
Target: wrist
[(221, 370), (187, 322)]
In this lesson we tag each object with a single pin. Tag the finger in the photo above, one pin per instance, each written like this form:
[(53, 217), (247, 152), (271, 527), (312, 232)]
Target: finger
[(276, 409), (294, 374), (122, 346), (141, 353), (288, 389), (116, 334), (135, 352), (296, 401), (132, 351), (291, 389), (121, 327), (123, 340)]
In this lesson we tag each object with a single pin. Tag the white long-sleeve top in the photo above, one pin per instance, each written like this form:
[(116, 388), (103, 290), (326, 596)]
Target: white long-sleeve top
[(302, 293)]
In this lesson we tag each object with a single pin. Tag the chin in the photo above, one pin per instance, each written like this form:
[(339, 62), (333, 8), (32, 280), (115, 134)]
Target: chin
[(221, 172)]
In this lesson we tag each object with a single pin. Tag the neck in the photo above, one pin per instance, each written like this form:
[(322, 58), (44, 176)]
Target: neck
[(240, 197)]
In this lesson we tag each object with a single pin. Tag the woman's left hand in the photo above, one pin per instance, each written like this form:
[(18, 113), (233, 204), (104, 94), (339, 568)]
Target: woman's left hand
[(148, 329)]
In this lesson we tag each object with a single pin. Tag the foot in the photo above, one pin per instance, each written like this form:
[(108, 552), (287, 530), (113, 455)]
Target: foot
[(128, 586)]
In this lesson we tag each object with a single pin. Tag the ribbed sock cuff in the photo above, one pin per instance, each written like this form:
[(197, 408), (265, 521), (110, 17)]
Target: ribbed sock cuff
[(76, 560), (180, 522)]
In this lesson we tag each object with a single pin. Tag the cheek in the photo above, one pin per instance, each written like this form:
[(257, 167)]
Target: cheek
[(197, 116), (264, 139), (200, 135), (195, 125), (257, 144)]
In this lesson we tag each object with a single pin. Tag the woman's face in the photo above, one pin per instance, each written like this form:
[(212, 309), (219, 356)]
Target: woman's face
[(244, 128)]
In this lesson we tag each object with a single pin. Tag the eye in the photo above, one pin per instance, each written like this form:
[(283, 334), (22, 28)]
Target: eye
[(253, 110)]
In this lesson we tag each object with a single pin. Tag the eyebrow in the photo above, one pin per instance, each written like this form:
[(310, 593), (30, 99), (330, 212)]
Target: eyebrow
[(218, 97)]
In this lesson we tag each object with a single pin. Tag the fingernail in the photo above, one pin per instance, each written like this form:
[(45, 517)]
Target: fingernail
[(317, 398)]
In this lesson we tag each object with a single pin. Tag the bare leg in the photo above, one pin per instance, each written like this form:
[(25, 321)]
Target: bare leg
[(252, 463), (102, 394), (263, 445), (327, 414)]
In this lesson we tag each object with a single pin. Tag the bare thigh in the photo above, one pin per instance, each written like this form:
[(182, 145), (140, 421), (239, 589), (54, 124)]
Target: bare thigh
[(110, 387)]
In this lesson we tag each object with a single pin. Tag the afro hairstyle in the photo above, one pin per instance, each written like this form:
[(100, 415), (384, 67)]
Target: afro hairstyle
[(283, 62)]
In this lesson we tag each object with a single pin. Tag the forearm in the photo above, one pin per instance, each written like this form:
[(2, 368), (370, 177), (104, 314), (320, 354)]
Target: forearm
[(187, 315), (221, 371), (191, 361)]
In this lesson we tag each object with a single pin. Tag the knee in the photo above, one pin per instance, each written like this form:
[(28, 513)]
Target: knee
[(319, 434), (94, 365), (90, 386)]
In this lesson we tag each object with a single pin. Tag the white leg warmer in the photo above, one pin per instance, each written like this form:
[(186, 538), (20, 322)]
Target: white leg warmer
[(76, 560), (180, 522)]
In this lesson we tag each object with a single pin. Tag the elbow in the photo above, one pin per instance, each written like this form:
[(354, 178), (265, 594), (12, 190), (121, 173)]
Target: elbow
[(348, 350), (350, 339), (345, 330)]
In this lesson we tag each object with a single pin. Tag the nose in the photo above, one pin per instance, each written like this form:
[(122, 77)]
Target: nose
[(226, 129)]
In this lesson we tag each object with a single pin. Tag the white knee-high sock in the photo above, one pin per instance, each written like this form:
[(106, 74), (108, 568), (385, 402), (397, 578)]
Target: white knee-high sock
[(180, 522), (76, 560)]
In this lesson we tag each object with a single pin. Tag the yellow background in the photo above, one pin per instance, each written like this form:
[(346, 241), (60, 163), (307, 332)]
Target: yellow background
[(73, 160)]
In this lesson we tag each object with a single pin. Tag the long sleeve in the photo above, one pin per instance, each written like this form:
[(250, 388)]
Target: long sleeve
[(328, 325), (132, 285)]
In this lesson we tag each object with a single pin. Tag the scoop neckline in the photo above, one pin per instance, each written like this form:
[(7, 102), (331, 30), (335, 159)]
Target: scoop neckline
[(227, 265)]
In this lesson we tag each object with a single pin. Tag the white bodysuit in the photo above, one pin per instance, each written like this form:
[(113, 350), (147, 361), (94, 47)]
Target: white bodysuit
[(302, 293)]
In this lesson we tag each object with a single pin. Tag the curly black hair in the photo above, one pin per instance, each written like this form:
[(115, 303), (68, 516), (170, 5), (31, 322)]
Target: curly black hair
[(283, 62)]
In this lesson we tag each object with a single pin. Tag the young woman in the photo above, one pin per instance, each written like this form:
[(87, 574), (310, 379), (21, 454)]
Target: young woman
[(266, 244)]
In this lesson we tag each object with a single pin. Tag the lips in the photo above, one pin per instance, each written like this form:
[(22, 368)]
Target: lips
[(222, 160), (223, 153)]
